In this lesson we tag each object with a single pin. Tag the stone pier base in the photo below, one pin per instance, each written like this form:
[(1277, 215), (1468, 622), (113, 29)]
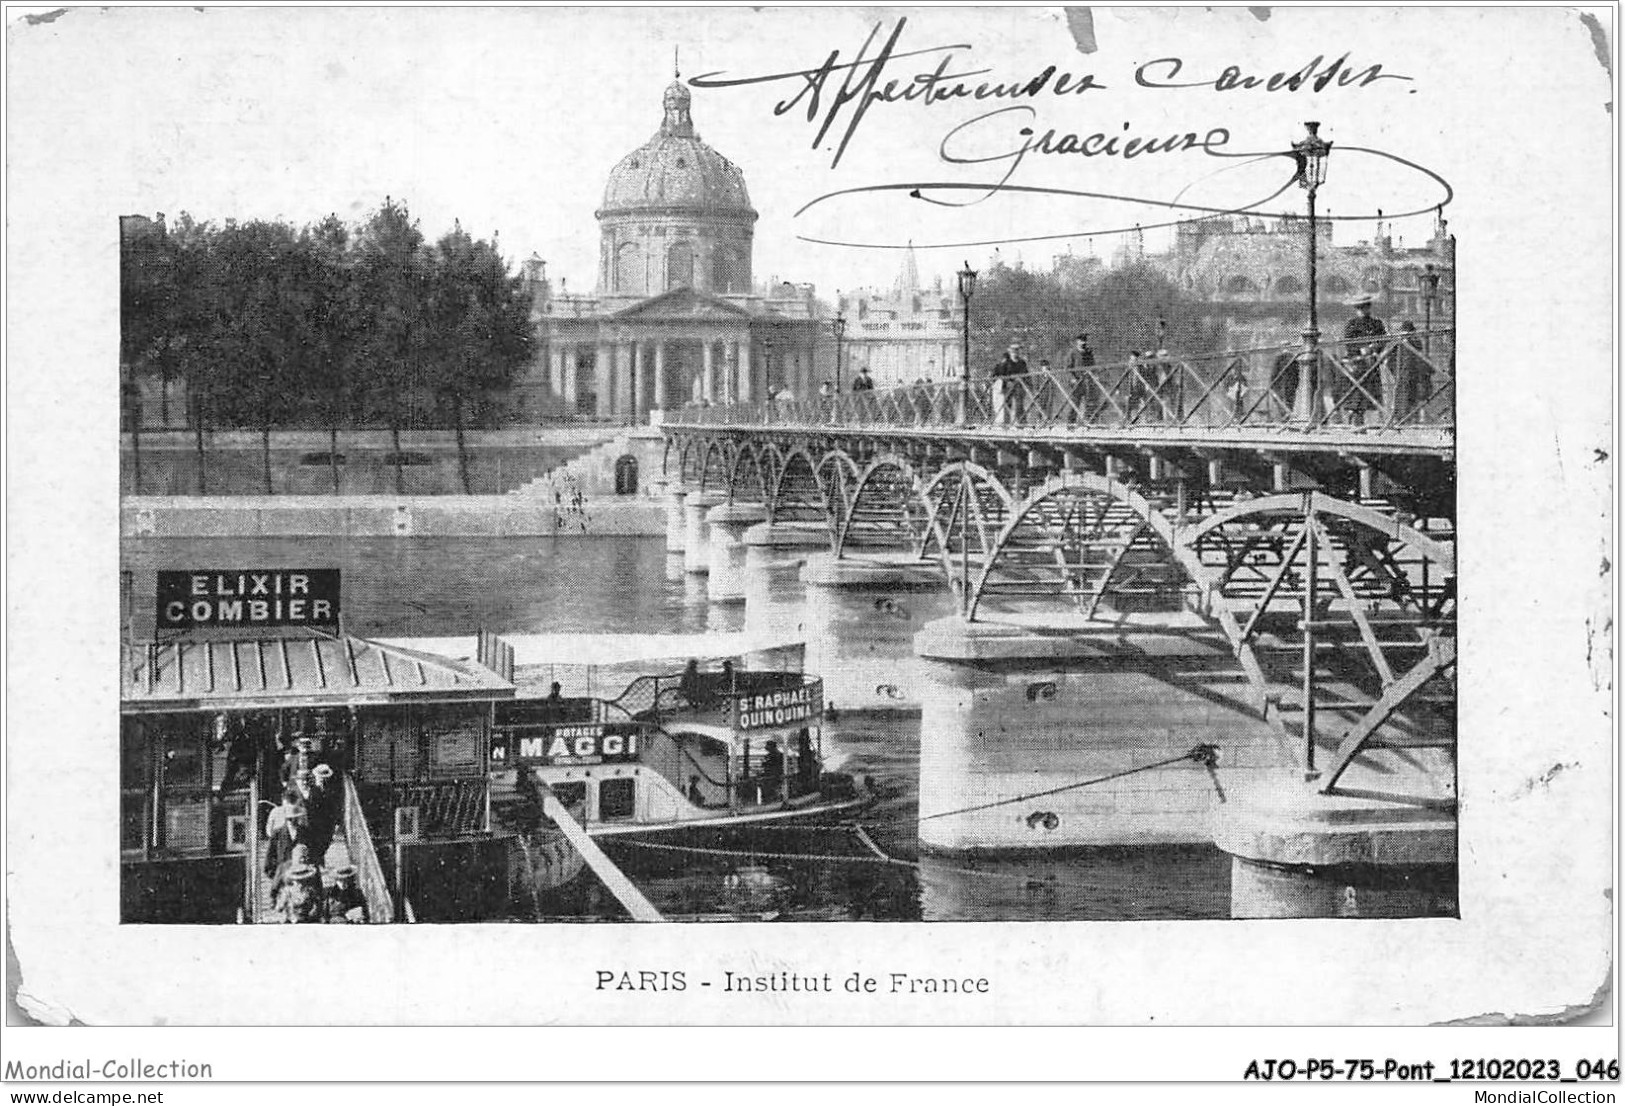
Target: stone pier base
[(1299, 854), (725, 529), (1017, 719), (860, 617), (676, 519), (696, 531), (774, 554)]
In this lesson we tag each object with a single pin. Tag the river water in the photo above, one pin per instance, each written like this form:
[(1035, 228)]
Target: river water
[(437, 587)]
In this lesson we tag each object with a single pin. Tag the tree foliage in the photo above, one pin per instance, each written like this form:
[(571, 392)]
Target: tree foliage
[(1119, 308), (326, 325)]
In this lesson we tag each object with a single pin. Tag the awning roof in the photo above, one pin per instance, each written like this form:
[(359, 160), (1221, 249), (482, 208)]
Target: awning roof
[(295, 670)]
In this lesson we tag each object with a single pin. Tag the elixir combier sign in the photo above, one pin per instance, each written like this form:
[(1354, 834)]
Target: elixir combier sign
[(235, 597)]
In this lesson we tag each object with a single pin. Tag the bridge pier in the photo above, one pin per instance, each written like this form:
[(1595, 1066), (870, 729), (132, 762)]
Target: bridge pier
[(1300, 854), (1020, 710), (774, 554), (859, 619), (696, 532), (725, 527), (676, 520)]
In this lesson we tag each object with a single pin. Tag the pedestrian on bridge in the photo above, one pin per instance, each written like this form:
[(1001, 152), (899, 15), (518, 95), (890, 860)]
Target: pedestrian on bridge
[(1360, 387), (1413, 378), (1005, 388), (1086, 395)]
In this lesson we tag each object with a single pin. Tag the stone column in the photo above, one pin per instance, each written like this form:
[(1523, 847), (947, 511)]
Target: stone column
[(660, 375), (726, 529), (676, 520), (572, 371), (640, 382), (604, 378), (860, 619), (743, 356), (774, 595), (623, 379), (708, 373), (555, 368), (1009, 711), (696, 533)]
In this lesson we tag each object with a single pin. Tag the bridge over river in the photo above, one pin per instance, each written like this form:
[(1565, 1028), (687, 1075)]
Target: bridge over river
[(1226, 582)]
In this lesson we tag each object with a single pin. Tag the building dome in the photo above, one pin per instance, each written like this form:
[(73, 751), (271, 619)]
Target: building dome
[(675, 214), (674, 169)]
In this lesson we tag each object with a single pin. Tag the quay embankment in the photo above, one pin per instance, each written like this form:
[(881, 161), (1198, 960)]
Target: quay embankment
[(369, 516), (583, 481), (351, 463)]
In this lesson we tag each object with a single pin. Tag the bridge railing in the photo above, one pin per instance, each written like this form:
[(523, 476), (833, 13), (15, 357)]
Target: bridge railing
[(1392, 382)]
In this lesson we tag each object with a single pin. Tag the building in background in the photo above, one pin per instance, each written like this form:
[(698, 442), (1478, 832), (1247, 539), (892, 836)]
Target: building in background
[(1252, 274), (676, 316), (905, 334)]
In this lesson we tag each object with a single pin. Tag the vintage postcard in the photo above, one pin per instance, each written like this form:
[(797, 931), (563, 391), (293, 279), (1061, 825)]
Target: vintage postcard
[(963, 502)]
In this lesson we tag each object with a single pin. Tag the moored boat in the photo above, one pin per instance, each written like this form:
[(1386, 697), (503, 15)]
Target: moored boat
[(439, 760)]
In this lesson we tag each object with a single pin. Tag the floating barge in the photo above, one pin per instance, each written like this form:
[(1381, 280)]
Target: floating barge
[(443, 759)]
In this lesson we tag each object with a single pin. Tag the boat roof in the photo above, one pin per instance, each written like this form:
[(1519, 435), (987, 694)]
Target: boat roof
[(295, 670), (607, 649)]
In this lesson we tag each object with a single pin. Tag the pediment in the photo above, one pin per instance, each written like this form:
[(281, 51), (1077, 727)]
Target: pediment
[(683, 303)]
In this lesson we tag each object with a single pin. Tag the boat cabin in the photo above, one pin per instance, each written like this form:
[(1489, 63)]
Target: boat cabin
[(211, 730)]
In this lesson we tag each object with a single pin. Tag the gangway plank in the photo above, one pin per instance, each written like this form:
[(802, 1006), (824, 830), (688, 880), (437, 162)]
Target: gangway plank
[(641, 909)]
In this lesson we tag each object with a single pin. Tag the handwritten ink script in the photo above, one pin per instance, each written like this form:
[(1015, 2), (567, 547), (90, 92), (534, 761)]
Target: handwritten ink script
[(838, 92)]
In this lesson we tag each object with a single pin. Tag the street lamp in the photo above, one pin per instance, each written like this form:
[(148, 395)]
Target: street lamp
[(838, 326), (1430, 288), (967, 289), (1311, 153), (767, 368)]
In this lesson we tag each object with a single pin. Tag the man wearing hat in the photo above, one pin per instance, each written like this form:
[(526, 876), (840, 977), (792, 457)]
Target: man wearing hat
[(1354, 392), (345, 903), (1004, 389), (1086, 394), (319, 815)]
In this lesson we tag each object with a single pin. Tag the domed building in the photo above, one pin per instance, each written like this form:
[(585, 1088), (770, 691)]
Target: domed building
[(676, 316), (675, 214)]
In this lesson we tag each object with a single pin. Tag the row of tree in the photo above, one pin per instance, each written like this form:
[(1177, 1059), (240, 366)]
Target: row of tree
[(1119, 308), (331, 326)]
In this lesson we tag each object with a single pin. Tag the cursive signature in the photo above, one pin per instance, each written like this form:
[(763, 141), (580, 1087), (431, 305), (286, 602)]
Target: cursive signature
[(1317, 75), (866, 81)]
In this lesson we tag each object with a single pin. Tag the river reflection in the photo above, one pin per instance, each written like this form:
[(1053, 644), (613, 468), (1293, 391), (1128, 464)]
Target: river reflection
[(397, 587)]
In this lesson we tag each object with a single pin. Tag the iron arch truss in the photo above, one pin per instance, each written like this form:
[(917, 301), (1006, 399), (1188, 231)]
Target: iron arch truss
[(745, 477), (1346, 618), (1088, 542), (887, 513), (716, 466), (966, 506)]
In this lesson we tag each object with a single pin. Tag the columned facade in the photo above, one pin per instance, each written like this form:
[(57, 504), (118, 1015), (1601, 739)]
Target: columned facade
[(676, 318)]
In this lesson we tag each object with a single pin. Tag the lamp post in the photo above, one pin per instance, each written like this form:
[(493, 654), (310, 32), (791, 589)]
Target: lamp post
[(967, 289), (767, 369), (1311, 153), (838, 326), (1430, 288)]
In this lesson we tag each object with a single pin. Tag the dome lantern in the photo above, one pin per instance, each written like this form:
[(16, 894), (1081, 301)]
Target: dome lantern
[(678, 123)]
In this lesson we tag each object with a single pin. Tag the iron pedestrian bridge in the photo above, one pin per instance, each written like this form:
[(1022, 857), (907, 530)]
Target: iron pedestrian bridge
[(1301, 499)]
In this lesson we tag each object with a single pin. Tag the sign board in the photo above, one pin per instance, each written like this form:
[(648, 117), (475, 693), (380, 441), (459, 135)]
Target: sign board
[(779, 708), (233, 598), (566, 745)]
